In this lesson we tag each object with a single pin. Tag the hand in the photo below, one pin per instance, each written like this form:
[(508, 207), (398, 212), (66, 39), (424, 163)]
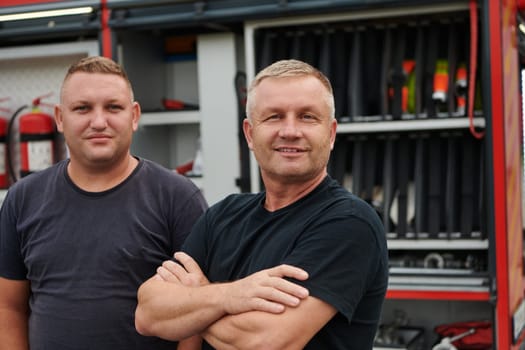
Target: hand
[(266, 290), (187, 272)]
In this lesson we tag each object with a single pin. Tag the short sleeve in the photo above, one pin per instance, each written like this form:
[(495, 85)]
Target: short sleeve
[(11, 261), (341, 257)]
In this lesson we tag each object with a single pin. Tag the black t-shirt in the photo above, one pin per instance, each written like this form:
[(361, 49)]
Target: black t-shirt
[(85, 254), (333, 235)]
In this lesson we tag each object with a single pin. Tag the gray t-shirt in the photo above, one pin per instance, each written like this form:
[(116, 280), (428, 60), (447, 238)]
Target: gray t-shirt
[(86, 254)]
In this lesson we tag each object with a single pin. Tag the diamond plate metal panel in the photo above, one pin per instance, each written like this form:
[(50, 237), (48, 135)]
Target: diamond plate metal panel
[(27, 73)]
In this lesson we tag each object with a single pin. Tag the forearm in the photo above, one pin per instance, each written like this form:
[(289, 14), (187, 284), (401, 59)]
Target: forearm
[(13, 330), (226, 334), (289, 330), (251, 330), (174, 312)]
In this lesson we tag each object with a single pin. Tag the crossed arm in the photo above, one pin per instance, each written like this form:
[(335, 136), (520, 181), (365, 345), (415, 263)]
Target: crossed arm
[(263, 310)]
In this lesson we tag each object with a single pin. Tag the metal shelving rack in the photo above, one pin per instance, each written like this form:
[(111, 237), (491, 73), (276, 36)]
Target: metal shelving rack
[(504, 295)]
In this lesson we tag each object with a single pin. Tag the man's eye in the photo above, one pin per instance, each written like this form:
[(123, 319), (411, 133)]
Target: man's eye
[(114, 107), (81, 108)]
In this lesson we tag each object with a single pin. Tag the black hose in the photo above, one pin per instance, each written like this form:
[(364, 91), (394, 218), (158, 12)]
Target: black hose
[(9, 134)]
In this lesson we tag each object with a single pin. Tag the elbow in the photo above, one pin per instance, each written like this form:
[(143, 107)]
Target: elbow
[(150, 320), (143, 324), (144, 320), (148, 326)]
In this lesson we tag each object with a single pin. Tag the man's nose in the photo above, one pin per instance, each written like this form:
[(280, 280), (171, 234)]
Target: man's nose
[(289, 127), (98, 119)]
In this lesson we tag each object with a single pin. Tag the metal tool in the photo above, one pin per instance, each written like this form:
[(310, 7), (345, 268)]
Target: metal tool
[(446, 343)]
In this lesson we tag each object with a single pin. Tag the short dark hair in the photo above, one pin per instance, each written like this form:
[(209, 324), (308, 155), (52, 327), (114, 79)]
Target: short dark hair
[(98, 64)]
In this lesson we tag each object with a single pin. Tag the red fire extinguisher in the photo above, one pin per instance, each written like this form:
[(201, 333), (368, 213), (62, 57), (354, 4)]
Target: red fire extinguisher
[(37, 134)]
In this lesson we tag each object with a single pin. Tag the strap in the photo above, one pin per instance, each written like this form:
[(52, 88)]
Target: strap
[(398, 77), (325, 65), (339, 73), (403, 169), (385, 71), (280, 46), (295, 50), (418, 71), (430, 66), (421, 179), (389, 180), (266, 48), (452, 67), (451, 188), (434, 188), (357, 165), (309, 49), (354, 77), (370, 169), (480, 220), (371, 60), (467, 185)]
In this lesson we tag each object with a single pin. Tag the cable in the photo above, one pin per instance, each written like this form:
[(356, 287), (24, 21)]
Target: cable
[(473, 62)]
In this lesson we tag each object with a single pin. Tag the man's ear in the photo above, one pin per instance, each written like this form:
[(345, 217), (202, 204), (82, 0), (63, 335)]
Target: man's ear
[(333, 133), (247, 129), (58, 118), (136, 115)]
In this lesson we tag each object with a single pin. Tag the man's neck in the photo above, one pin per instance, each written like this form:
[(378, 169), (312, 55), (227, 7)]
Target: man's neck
[(101, 178), (280, 194)]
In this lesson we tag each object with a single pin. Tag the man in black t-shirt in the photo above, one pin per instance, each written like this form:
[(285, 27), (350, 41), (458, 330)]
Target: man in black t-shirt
[(302, 265)]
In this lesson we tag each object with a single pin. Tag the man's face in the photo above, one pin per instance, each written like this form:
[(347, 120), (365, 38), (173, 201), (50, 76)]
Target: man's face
[(97, 117), (291, 131)]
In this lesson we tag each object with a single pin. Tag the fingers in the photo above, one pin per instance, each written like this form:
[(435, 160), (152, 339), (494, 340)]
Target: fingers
[(286, 286), (167, 272), (187, 261), (267, 290), (195, 275), (283, 292), (279, 290), (288, 292), (288, 271), (268, 306), (185, 271), (243, 297)]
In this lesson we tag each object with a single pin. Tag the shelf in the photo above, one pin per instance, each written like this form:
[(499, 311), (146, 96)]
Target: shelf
[(408, 125), (170, 118), (431, 244), (423, 293)]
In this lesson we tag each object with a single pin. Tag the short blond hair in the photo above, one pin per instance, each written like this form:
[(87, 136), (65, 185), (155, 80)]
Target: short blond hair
[(290, 68)]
